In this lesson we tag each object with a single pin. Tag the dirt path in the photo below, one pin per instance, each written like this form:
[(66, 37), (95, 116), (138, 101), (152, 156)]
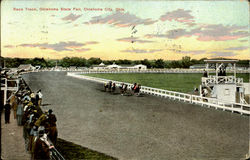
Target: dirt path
[(13, 147)]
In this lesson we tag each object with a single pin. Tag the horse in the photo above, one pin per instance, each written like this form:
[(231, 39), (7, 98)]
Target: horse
[(108, 86)]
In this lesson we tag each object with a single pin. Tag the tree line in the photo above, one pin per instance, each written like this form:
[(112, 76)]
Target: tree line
[(185, 62)]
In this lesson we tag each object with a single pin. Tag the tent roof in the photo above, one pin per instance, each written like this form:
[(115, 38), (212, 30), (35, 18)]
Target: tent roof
[(220, 61)]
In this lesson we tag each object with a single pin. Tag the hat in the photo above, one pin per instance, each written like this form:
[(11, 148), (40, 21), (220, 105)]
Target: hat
[(50, 111), (41, 132)]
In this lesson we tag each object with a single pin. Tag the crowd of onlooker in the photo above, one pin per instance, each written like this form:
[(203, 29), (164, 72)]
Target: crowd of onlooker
[(39, 128)]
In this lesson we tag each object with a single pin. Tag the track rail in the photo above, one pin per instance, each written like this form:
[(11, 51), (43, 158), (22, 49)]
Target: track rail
[(194, 99)]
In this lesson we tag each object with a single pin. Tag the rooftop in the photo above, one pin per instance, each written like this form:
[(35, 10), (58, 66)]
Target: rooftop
[(221, 61)]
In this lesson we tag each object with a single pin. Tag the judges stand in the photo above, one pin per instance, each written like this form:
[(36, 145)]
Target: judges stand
[(219, 85)]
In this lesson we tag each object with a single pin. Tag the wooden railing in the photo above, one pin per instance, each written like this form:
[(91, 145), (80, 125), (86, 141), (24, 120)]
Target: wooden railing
[(194, 99), (221, 79)]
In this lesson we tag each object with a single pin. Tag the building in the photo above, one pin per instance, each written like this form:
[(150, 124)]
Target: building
[(99, 67), (113, 66), (102, 66), (26, 67), (227, 88), (140, 67), (197, 66)]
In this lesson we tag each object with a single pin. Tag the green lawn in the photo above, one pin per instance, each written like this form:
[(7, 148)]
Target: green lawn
[(175, 82)]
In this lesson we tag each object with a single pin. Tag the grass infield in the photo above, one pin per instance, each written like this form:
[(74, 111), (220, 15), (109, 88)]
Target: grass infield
[(171, 81)]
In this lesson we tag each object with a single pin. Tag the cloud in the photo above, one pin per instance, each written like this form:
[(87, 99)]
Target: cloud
[(61, 46), (91, 42), (222, 54), (71, 17), (194, 52), (141, 50), (82, 49), (134, 39), (237, 48), (220, 32), (155, 36), (120, 19), (8, 46), (180, 15), (206, 32)]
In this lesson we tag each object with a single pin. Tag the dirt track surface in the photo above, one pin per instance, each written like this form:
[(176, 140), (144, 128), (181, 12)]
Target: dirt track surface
[(139, 128)]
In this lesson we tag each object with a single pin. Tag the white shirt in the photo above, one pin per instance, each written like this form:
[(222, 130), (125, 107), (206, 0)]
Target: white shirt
[(40, 95)]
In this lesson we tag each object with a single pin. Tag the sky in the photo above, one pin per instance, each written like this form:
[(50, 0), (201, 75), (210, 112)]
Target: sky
[(118, 29)]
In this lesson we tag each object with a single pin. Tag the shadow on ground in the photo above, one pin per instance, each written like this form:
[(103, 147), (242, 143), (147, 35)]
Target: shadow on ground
[(71, 151)]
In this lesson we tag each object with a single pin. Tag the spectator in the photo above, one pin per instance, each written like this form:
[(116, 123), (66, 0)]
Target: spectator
[(196, 91), (7, 112), (205, 73), (52, 127), (26, 97), (41, 148), (13, 103), (40, 96), (204, 92), (19, 113), (33, 97), (51, 118)]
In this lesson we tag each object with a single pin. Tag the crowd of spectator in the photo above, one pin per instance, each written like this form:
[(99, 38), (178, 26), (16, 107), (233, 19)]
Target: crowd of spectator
[(39, 127)]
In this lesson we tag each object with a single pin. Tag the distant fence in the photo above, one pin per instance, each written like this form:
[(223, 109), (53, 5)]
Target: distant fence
[(194, 99), (177, 70)]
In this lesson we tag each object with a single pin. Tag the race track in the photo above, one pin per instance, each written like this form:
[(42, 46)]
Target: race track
[(139, 128)]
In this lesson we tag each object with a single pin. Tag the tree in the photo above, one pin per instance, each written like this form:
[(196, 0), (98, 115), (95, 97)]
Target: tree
[(159, 63), (147, 63), (175, 64), (65, 62), (39, 62), (186, 62), (92, 61)]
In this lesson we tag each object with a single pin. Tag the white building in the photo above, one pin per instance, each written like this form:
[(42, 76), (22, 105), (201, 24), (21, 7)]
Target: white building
[(101, 66), (224, 87), (113, 66), (26, 67), (140, 67)]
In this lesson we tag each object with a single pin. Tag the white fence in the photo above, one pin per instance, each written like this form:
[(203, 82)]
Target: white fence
[(155, 71), (221, 79), (194, 99), (5, 88), (175, 70)]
